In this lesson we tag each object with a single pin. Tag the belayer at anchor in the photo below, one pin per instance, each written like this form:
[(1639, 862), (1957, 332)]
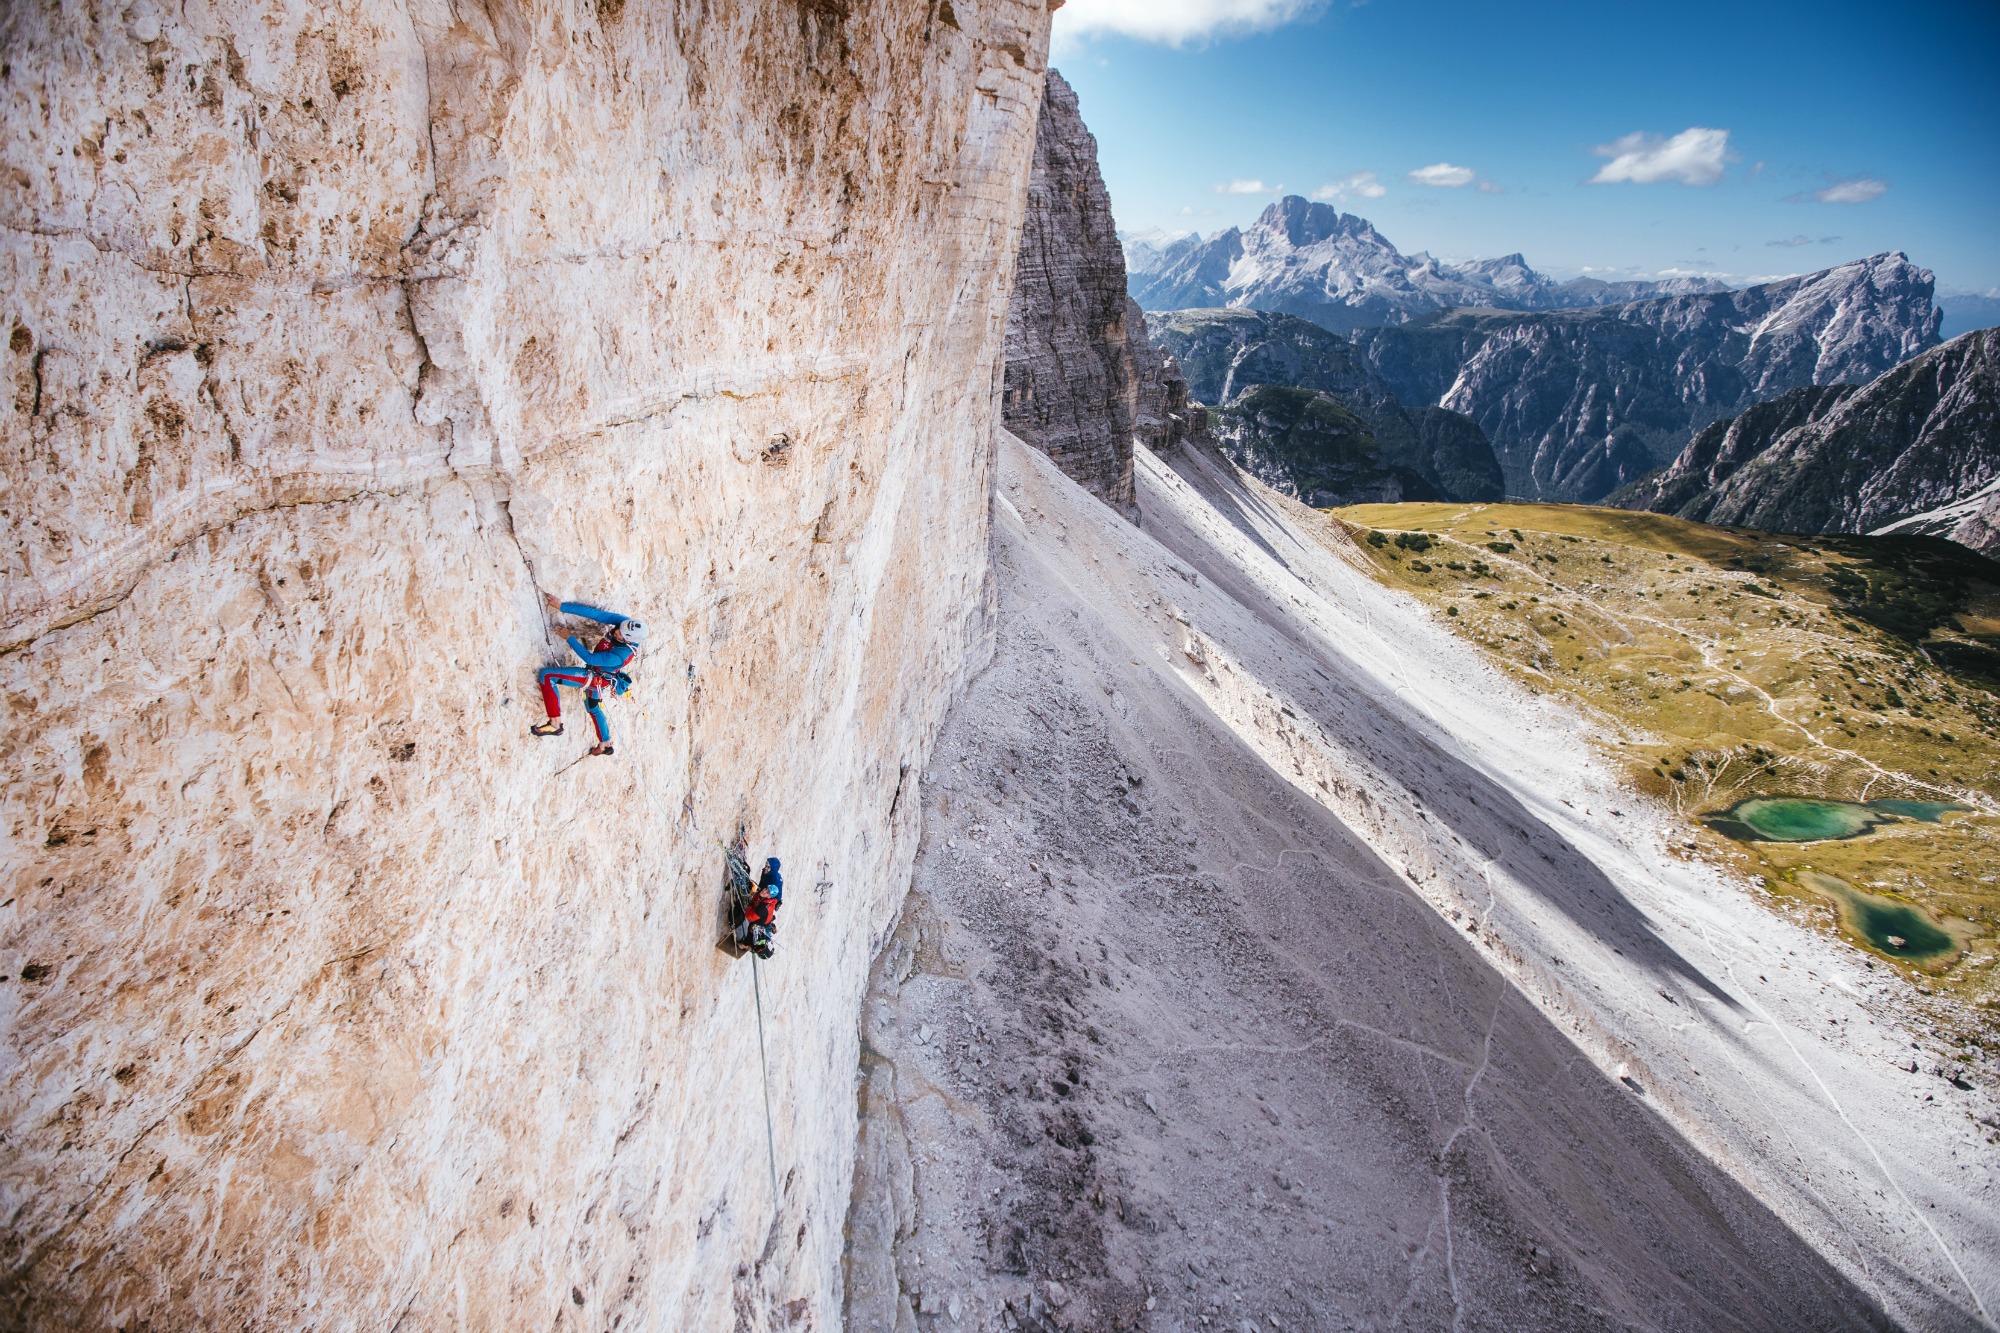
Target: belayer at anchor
[(752, 908), (760, 914), (607, 666)]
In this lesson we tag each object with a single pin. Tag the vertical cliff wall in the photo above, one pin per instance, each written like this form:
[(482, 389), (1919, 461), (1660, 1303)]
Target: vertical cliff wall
[(1077, 355), (339, 336)]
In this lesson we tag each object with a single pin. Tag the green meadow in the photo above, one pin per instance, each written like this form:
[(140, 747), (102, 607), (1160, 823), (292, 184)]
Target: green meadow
[(1736, 665)]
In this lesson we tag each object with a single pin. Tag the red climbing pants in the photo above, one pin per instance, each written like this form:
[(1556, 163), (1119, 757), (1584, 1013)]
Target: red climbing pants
[(578, 678)]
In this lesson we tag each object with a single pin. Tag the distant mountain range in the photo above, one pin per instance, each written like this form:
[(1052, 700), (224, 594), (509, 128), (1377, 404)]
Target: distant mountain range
[(1916, 451), (1574, 404), (1293, 404), (1580, 403), (1311, 260), (1474, 380)]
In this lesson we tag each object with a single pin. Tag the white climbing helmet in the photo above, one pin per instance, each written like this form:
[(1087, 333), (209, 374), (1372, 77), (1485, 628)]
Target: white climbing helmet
[(633, 631)]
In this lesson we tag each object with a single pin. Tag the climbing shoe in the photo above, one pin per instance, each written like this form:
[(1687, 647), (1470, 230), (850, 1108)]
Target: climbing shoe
[(600, 749), (548, 728)]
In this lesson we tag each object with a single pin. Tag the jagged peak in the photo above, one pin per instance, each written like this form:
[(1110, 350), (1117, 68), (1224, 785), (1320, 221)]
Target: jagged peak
[(1305, 222), (1888, 261)]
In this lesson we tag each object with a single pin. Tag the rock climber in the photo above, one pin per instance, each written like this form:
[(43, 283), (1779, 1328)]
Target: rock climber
[(607, 666), (760, 914)]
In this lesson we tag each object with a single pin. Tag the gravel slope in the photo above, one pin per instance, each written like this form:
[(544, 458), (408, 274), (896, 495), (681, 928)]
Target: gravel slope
[(1272, 960)]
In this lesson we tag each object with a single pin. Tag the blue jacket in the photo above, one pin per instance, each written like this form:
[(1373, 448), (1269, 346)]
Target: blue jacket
[(610, 658)]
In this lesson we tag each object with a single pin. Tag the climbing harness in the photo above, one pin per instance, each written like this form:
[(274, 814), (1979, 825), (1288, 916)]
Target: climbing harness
[(606, 668)]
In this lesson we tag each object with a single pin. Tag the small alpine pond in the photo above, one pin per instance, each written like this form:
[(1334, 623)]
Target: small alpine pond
[(1811, 819), (1890, 926)]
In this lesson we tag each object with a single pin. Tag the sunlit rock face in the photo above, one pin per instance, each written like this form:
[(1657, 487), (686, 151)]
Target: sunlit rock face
[(338, 337)]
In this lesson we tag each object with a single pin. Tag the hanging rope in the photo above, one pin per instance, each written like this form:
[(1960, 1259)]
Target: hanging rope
[(739, 890), (770, 1135), (739, 880)]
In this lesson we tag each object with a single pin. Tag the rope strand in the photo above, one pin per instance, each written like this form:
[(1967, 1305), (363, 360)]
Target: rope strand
[(770, 1135)]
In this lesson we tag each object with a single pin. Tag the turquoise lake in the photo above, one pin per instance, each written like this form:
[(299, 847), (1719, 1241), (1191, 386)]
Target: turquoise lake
[(1898, 929), (1812, 819)]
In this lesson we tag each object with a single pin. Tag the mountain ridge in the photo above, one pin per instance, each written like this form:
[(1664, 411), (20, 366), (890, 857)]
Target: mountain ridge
[(1916, 450), (1580, 403), (1261, 373), (1337, 269)]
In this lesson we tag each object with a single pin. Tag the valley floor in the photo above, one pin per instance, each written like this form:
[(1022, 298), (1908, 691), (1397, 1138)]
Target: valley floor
[(1271, 960), (1728, 665)]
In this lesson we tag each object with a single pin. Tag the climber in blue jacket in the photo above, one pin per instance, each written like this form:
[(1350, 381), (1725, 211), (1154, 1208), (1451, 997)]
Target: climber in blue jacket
[(607, 666), (760, 914)]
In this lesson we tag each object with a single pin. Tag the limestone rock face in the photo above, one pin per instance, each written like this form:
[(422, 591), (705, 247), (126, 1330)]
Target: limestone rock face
[(1075, 343), (338, 337), (1168, 414)]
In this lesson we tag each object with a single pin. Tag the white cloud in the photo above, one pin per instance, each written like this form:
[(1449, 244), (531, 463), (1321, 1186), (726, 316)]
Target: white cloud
[(1241, 186), (1359, 185), (1488, 187), (1176, 21), (1857, 191), (1443, 175), (1695, 156)]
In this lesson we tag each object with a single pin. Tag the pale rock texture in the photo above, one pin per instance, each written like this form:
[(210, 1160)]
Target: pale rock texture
[(339, 336), (1075, 344)]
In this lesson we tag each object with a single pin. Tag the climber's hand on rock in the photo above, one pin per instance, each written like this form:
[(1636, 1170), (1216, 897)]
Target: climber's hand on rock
[(553, 602)]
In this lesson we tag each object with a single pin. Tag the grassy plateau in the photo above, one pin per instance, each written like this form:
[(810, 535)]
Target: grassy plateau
[(1735, 664)]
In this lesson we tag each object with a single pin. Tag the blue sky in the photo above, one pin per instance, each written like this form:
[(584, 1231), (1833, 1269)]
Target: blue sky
[(1742, 139)]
